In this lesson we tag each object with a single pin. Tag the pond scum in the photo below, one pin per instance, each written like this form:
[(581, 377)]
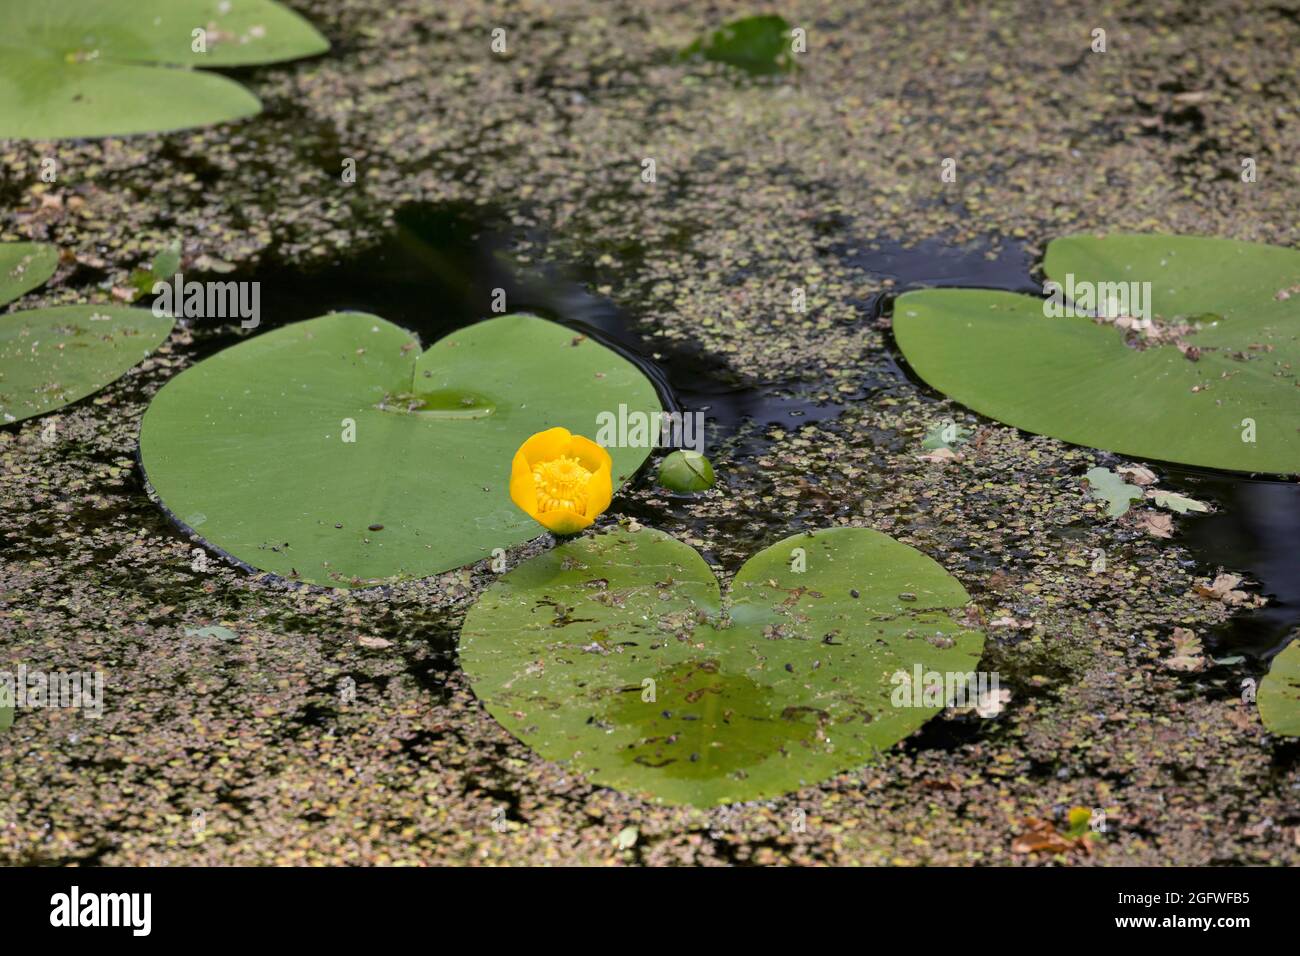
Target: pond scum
[(946, 592)]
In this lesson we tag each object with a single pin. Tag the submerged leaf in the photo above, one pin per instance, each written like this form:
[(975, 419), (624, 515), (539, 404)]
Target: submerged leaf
[(1083, 380), (758, 44), (333, 451), (619, 653), (945, 435), (1176, 502), (1112, 489)]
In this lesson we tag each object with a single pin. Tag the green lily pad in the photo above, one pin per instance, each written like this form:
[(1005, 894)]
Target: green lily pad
[(1220, 393), (1279, 693), (332, 451), (76, 68), (617, 652), (24, 266), (758, 45), (53, 357)]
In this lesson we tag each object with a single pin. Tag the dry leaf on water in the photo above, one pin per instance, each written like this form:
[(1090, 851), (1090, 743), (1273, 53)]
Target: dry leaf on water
[(1224, 588), (1187, 651), (1137, 475), (1041, 837), (1161, 526)]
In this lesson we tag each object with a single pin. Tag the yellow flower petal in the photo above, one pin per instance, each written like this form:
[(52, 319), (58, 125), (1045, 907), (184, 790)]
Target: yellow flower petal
[(561, 480), (589, 453), (601, 490), (563, 522), (523, 491), (546, 445)]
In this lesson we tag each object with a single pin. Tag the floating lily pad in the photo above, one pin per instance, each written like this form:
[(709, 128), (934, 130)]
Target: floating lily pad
[(332, 451), (24, 266), (758, 44), (53, 357), (1279, 693), (617, 652), (76, 68), (1213, 384)]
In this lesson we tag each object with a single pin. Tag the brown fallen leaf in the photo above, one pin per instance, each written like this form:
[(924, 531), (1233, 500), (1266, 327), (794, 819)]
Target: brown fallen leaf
[(1041, 837), (941, 455), (1239, 716), (1137, 475), (998, 580), (378, 643), (1160, 526), (1187, 651), (1224, 588), (1011, 622)]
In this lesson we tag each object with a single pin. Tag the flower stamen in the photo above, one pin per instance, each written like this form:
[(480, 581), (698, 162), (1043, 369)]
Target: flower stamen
[(562, 484)]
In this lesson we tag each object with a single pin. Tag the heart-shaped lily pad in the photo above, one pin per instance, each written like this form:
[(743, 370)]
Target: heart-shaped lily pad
[(53, 357), (1279, 693), (332, 451), (618, 653), (1212, 381), (71, 68)]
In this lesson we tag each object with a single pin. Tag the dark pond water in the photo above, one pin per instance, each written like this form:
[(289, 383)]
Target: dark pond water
[(438, 269)]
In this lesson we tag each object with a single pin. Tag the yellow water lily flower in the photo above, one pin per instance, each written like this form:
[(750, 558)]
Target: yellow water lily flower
[(562, 480)]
